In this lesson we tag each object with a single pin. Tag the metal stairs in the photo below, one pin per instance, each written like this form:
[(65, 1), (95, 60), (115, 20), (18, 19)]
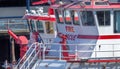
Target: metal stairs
[(30, 58)]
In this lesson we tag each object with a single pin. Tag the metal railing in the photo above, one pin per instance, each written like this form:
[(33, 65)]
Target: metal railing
[(55, 51), (15, 25), (29, 57), (81, 51)]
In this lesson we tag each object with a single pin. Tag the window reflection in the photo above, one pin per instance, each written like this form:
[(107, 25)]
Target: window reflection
[(74, 16), (40, 26), (32, 25), (103, 18), (59, 18), (87, 18), (117, 21), (49, 28), (67, 16)]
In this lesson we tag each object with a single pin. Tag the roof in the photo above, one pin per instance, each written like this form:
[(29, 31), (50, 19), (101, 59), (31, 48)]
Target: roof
[(88, 5)]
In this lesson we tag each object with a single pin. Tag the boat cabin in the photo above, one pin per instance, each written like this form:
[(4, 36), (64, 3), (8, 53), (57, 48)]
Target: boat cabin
[(95, 23), (88, 20), (88, 34), (37, 20), (92, 28)]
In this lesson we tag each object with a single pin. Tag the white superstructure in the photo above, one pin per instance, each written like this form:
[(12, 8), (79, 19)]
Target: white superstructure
[(87, 32)]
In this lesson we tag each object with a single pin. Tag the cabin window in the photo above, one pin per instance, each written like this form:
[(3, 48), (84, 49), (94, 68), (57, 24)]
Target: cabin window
[(87, 18), (101, 3), (49, 28), (67, 16), (117, 21), (40, 26), (32, 23), (74, 16), (103, 18), (59, 18), (87, 3)]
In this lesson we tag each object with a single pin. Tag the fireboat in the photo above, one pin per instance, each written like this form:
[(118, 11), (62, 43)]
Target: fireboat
[(84, 35)]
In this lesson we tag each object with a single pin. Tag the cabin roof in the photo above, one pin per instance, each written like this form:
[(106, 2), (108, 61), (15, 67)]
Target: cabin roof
[(87, 5)]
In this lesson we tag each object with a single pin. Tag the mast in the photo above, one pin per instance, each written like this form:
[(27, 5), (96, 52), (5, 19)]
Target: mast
[(28, 5)]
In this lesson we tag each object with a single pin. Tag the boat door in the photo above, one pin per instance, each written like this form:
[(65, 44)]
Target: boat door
[(117, 21)]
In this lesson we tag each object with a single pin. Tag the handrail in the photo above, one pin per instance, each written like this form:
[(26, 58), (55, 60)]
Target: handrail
[(76, 51), (33, 58), (25, 55), (20, 25), (21, 67)]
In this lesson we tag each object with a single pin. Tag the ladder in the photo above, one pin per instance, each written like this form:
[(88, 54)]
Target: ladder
[(31, 56)]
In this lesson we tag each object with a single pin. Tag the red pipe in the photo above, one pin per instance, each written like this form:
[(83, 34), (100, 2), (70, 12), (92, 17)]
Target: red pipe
[(13, 35)]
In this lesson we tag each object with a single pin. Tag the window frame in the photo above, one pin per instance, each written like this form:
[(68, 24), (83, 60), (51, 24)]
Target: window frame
[(65, 19), (104, 18), (82, 15), (58, 16), (39, 26), (73, 17)]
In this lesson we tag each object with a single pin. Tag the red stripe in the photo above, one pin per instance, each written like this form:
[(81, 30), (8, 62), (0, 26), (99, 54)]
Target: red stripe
[(46, 18), (42, 18), (106, 60), (40, 2), (99, 37)]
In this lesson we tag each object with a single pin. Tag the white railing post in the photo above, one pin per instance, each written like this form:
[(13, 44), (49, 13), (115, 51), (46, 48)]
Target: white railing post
[(76, 52), (95, 52), (43, 51), (113, 49), (60, 50), (27, 64)]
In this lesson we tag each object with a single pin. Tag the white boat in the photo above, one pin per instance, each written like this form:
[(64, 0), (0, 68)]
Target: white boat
[(87, 37)]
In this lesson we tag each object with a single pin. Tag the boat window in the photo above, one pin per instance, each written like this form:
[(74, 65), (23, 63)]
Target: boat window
[(67, 16), (32, 25), (49, 28), (74, 16), (117, 21), (40, 26), (58, 14), (101, 3), (87, 3), (87, 18), (103, 18)]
